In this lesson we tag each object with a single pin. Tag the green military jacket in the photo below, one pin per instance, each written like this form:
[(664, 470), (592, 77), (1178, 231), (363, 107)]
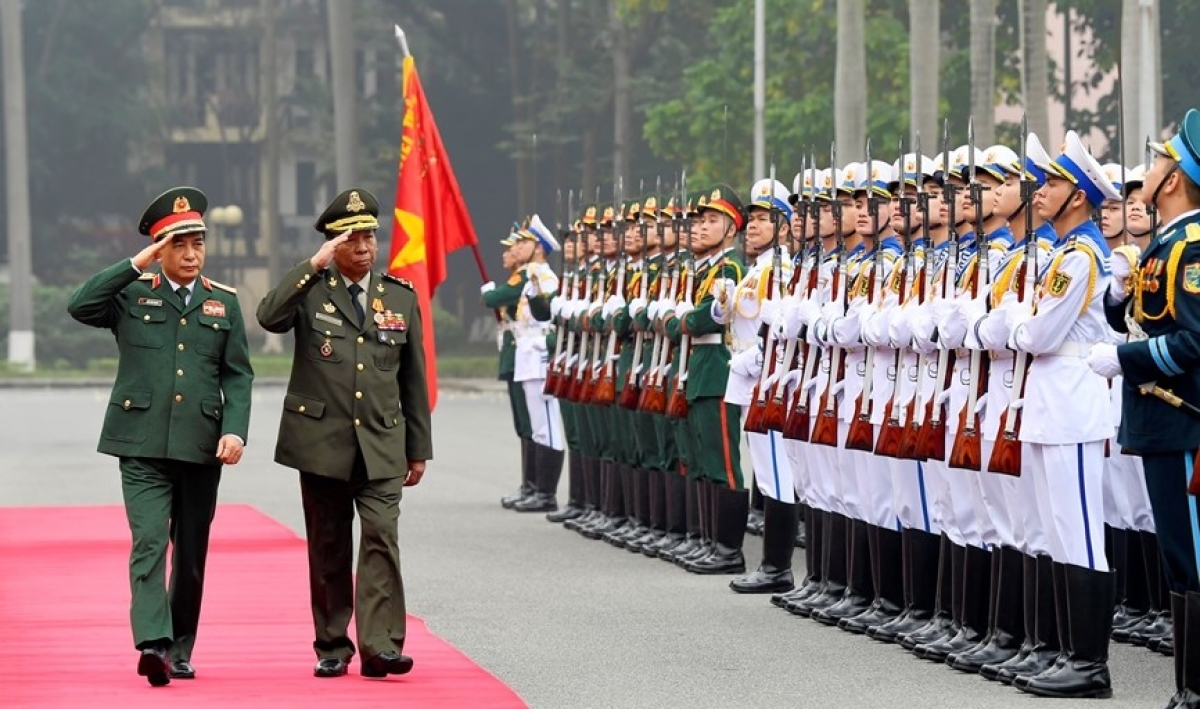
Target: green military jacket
[(352, 387), (504, 299), (183, 376), (1166, 305), (708, 364)]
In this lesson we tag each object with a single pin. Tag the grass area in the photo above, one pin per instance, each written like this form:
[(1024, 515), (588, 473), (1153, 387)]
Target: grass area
[(460, 366)]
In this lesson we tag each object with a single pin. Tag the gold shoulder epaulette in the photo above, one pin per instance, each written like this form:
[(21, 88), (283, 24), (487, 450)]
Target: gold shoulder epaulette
[(222, 286), (402, 281), (1193, 233)]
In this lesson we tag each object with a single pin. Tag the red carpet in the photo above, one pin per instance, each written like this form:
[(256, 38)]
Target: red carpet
[(64, 599)]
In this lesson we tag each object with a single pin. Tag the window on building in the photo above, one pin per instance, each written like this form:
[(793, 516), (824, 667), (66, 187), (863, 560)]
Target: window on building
[(306, 188)]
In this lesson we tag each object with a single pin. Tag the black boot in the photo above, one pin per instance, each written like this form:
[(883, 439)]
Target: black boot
[(1185, 610), (1157, 624), (1046, 647), (1062, 622), (812, 559), (774, 574), (693, 534), (706, 522), (613, 504), (674, 514), (590, 468), (646, 491), (954, 579), (575, 497), (1028, 592), (919, 551), (887, 557), (802, 528), (1135, 606), (973, 621), (1004, 615), (548, 464), (731, 509), (835, 552), (528, 476), (859, 594), (941, 622), (754, 521), (617, 536), (1089, 611)]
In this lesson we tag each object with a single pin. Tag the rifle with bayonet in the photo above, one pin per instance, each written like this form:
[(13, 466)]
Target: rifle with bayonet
[(677, 406), (631, 390), (654, 391), (553, 372), (861, 435), (931, 443), (966, 453), (915, 416), (606, 386), (797, 425), (824, 432), (756, 415), (891, 432)]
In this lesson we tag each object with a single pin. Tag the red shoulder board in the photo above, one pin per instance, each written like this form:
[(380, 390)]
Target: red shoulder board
[(206, 283), (155, 281)]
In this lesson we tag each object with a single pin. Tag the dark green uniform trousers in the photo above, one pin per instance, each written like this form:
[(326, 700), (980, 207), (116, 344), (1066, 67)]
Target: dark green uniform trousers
[(570, 423), (520, 412), (714, 434), (175, 501), (377, 603)]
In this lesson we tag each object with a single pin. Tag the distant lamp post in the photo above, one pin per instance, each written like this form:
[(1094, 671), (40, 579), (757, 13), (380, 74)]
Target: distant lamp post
[(227, 220)]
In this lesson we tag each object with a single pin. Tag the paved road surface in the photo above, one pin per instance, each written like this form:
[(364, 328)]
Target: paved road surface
[(564, 621)]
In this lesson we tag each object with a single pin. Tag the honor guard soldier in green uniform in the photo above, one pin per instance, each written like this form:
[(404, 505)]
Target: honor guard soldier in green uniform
[(1156, 300), (179, 409), (356, 424), (714, 435)]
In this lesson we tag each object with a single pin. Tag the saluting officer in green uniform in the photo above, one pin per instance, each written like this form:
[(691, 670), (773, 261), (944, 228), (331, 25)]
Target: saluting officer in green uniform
[(179, 409), (356, 424)]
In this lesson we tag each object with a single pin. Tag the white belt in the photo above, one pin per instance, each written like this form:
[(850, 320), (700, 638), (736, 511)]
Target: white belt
[(1073, 349), (710, 339)]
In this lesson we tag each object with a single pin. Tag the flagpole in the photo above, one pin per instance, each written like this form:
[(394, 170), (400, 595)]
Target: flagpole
[(402, 40)]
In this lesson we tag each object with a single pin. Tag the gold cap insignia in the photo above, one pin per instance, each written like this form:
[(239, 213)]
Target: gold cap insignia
[(355, 203), (716, 194), (590, 213), (634, 208), (181, 205), (829, 180), (702, 201), (651, 203), (910, 165)]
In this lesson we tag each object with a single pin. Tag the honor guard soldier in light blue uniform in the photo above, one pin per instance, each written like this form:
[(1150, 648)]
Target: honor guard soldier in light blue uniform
[(1162, 379), (179, 409)]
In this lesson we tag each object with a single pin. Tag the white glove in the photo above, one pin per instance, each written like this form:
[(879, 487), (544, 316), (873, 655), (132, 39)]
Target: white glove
[(1104, 361), (487, 287), (653, 308), (726, 286), (719, 313), (615, 302), (970, 311), (768, 310), (683, 308), (557, 304), (747, 363), (1016, 315), (1121, 266), (940, 309), (636, 306), (920, 322)]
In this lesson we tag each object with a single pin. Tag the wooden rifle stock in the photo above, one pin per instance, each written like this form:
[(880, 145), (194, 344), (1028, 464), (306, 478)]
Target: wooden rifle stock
[(775, 413)]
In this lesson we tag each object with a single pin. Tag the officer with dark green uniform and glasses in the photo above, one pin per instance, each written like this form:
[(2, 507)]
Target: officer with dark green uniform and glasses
[(179, 409), (356, 424), (1157, 300)]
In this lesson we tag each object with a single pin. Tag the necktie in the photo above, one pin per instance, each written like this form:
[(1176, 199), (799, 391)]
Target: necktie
[(355, 291), (182, 292)]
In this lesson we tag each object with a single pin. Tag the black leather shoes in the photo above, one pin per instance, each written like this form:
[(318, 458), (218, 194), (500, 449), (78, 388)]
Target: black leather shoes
[(330, 667), (182, 669), (387, 663), (153, 665), (764, 579)]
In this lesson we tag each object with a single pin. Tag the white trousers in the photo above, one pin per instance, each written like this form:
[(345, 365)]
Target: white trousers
[(835, 470), (1126, 502), (772, 468), (961, 506), (911, 495), (993, 500), (1069, 482), (544, 416), (802, 484), (873, 478)]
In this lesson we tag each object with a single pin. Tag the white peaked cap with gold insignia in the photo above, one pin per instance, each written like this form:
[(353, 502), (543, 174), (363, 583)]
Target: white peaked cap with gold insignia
[(770, 194), (1037, 160), (825, 181), (1116, 174), (544, 236), (1134, 177), (914, 171), (802, 185), (1077, 165), (1001, 161), (877, 177)]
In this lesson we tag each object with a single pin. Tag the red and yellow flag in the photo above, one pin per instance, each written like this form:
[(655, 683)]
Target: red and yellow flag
[(431, 218)]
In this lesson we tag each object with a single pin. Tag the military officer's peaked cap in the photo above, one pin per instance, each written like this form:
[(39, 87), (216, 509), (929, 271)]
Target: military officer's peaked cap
[(179, 210), (1182, 147), (1077, 165), (1134, 177), (354, 210), (1037, 160), (1116, 174), (723, 199), (770, 194), (542, 234), (802, 185), (589, 215)]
